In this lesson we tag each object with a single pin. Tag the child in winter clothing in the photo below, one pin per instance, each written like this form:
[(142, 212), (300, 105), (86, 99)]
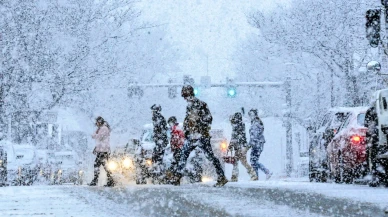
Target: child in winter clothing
[(177, 139)]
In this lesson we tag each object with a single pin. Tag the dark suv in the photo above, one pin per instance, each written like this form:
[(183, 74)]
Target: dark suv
[(322, 135)]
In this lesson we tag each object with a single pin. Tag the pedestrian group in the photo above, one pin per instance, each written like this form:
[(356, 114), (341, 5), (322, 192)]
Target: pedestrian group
[(195, 135)]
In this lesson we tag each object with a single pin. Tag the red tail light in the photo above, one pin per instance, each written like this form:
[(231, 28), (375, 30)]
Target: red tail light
[(356, 139)]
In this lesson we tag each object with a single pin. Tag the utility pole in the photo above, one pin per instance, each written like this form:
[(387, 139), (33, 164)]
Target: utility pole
[(288, 125)]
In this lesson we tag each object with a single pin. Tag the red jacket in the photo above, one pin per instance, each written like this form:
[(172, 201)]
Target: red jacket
[(177, 138)]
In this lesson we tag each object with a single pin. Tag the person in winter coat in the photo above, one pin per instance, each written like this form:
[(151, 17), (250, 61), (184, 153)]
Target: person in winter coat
[(196, 127), (102, 150), (177, 140), (238, 144), (372, 138), (160, 136), (257, 141)]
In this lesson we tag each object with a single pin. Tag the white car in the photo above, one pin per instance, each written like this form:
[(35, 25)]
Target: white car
[(21, 164), (67, 169)]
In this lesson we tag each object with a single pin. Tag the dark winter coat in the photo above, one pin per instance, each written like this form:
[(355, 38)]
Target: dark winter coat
[(238, 139), (198, 119), (160, 130), (256, 133)]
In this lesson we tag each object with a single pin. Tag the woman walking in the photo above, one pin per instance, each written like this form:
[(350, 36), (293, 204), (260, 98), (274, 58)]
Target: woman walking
[(102, 150), (257, 141)]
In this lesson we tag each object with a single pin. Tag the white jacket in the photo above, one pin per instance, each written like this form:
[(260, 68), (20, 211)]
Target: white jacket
[(102, 139)]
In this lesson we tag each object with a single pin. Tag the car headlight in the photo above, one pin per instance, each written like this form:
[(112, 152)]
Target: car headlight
[(127, 163), (59, 171), (149, 162), (206, 179), (224, 146), (112, 165), (80, 173)]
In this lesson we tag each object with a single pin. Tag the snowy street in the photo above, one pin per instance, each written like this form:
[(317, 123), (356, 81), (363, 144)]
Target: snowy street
[(276, 198)]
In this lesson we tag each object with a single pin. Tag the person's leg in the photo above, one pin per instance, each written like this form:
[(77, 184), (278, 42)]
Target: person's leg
[(104, 162), (207, 148), (188, 147), (243, 159), (235, 171), (255, 154), (97, 164)]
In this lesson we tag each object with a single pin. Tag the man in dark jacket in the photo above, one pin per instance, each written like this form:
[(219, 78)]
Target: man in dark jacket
[(196, 127), (160, 136)]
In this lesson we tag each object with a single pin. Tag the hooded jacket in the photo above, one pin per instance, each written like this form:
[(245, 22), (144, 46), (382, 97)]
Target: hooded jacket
[(256, 133)]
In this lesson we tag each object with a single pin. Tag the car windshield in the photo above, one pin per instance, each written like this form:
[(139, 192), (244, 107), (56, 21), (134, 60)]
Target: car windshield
[(24, 156), (147, 136), (338, 119), (65, 159), (361, 119)]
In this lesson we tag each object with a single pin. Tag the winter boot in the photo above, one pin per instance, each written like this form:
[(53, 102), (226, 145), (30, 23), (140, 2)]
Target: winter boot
[(175, 179), (234, 178), (92, 184), (221, 182), (254, 178)]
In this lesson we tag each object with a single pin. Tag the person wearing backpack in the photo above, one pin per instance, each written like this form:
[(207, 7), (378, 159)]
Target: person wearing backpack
[(257, 141), (196, 127)]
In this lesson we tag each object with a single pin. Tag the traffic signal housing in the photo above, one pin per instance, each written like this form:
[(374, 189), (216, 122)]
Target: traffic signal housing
[(373, 26)]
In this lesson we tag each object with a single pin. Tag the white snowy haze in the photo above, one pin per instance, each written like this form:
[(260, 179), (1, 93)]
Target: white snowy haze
[(83, 54)]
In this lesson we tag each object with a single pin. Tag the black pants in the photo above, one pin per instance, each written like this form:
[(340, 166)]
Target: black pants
[(102, 159), (204, 144)]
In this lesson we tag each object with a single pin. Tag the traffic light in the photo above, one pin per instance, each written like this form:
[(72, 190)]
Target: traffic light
[(373, 27), (196, 91), (172, 91), (232, 92), (230, 88), (135, 90)]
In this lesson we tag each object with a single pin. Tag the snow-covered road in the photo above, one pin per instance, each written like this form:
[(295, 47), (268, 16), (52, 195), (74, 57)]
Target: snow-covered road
[(275, 198), (188, 200)]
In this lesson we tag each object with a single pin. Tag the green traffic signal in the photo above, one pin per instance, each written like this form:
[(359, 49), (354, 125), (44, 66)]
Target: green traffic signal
[(232, 92)]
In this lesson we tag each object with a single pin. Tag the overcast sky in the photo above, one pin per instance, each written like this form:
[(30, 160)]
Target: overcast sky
[(205, 29)]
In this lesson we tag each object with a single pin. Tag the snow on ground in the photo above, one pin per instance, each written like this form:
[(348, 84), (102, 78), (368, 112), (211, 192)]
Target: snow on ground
[(361, 193), (45, 200)]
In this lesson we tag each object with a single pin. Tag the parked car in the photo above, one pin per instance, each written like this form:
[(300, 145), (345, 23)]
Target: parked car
[(67, 169), (322, 135), (347, 150), (22, 167)]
